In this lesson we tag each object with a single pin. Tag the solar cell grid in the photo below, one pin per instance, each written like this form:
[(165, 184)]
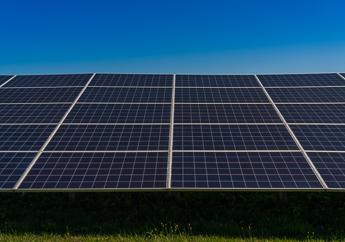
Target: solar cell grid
[(110, 138), (216, 81), (98, 171), (38, 95), (119, 113), (32, 113), (313, 113), (220, 95), (331, 79), (225, 113), (321, 137), (23, 137), (132, 80), (4, 78), (49, 80), (331, 166), (301, 95), (12, 165), (129, 95), (242, 170), (232, 137)]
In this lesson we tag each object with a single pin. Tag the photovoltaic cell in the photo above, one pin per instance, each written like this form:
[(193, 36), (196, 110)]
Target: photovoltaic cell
[(216, 81), (4, 78), (12, 166), (331, 166), (98, 171), (23, 137), (321, 137), (292, 80), (242, 170), (232, 137), (132, 80), (32, 113), (119, 113), (110, 138), (49, 80), (300, 95), (225, 113), (220, 95), (313, 113), (38, 95), (118, 94)]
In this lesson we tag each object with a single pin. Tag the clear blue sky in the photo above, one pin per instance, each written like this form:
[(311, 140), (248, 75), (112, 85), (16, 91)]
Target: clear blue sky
[(234, 37)]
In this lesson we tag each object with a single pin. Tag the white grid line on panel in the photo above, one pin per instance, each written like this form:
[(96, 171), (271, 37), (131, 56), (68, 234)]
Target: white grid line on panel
[(114, 103), (308, 103), (10, 79), (207, 87), (338, 124), (27, 170), (171, 134), (47, 87), (296, 87), (316, 172), (135, 86), (35, 103), (341, 76)]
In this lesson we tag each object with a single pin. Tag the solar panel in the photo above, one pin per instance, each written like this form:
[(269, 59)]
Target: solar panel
[(32, 113), (225, 113), (23, 137), (301, 95), (321, 137), (130, 95), (98, 171), (132, 80), (331, 166), (232, 137), (291, 80), (49, 80), (38, 95), (242, 170), (216, 81), (4, 78), (120, 113), (220, 95), (12, 166), (313, 113), (110, 138)]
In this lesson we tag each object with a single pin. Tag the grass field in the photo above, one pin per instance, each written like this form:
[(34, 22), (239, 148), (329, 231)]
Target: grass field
[(167, 216)]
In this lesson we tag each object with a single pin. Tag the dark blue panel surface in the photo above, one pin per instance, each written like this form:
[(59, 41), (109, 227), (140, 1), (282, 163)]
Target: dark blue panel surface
[(331, 167), (242, 170), (232, 137), (132, 80), (216, 81), (220, 95), (110, 138), (118, 94), (4, 78), (120, 113), (321, 137), (32, 113), (23, 137), (313, 113), (12, 166), (225, 113), (301, 95), (291, 80), (98, 171), (49, 80), (38, 95)]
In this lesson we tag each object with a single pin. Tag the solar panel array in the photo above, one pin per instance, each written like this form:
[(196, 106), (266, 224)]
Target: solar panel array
[(177, 132)]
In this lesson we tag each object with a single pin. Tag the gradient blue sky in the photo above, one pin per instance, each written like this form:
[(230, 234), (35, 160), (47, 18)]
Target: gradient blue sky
[(234, 37)]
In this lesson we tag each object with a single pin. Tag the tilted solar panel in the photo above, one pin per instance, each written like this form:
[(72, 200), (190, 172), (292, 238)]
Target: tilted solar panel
[(4, 78), (134, 80), (230, 170), (216, 81), (295, 80), (220, 95), (49, 80)]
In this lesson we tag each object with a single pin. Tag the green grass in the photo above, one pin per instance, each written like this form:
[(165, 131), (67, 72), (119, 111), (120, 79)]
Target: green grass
[(167, 216)]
